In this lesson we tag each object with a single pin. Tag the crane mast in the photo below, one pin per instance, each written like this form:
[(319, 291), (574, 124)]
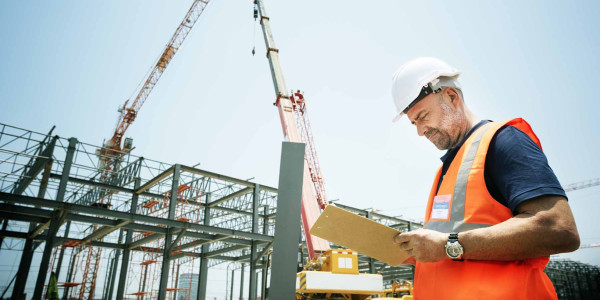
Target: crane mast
[(296, 128)]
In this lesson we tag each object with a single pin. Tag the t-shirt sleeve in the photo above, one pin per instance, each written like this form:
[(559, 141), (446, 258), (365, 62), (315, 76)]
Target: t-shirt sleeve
[(517, 170)]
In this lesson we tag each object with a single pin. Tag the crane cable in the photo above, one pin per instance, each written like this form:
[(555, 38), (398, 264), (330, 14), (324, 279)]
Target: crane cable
[(254, 33)]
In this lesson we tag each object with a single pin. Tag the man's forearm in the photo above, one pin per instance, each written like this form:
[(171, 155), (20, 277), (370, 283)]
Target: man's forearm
[(544, 226)]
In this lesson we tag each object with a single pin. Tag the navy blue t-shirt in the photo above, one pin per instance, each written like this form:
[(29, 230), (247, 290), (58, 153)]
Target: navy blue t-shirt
[(515, 170)]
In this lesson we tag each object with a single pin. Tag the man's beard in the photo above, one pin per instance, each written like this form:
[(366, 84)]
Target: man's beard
[(441, 138)]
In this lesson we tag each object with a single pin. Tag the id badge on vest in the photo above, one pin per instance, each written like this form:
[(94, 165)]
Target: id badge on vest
[(441, 207)]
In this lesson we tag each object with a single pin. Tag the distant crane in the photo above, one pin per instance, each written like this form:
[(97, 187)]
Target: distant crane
[(582, 185), (112, 148), (589, 246), (111, 152), (296, 128)]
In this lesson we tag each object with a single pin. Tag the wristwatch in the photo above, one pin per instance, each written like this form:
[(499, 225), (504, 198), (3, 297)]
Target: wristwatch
[(454, 249)]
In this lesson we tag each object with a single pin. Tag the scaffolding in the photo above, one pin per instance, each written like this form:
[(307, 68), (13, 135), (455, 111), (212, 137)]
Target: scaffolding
[(574, 280), (159, 221)]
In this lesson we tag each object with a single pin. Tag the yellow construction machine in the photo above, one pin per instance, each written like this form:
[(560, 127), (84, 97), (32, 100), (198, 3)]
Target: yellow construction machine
[(402, 291), (334, 275)]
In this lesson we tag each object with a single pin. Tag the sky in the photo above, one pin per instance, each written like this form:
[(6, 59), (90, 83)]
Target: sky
[(73, 63)]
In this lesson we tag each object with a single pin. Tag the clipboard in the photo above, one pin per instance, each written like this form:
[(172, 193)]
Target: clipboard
[(360, 234)]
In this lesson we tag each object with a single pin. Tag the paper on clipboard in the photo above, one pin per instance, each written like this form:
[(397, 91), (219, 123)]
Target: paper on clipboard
[(360, 234)]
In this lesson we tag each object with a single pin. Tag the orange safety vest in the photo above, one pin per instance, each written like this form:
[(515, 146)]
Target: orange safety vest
[(464, 203)]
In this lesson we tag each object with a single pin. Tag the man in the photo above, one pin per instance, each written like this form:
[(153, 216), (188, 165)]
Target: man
[(496, 210)]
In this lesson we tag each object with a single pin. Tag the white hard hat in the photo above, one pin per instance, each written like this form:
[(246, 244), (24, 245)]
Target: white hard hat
[(418, 78)]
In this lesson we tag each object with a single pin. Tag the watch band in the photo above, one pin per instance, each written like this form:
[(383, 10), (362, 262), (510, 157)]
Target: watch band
[(453, 237)]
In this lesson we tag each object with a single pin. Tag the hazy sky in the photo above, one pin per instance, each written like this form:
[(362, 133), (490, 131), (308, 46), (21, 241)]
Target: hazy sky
[(72, 63)]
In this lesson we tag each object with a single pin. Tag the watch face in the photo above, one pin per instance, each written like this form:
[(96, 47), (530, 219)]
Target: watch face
[(453, 250)]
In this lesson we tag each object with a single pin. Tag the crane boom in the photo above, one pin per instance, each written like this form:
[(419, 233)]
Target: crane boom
[(296, 128), (110, 155), (128, 114)]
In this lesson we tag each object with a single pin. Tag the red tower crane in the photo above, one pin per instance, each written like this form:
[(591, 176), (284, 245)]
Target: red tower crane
[(112, 151), (112, 148)]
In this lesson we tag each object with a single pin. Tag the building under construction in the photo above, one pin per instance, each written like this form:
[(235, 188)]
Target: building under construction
[(140, 234)]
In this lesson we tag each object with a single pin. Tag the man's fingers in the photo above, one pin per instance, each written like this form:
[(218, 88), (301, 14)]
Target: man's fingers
[(402, 238), (404, 246)]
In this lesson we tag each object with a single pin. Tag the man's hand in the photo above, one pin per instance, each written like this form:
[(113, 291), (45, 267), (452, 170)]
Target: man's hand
[(423, 244)]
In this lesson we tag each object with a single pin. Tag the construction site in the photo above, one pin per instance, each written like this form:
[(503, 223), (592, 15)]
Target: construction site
[(89, 219)]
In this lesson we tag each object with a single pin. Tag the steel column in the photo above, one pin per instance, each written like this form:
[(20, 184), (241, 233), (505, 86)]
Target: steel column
[(127, 251), (115, 268), (41, 279), (203, 273), (253, 249), (23, 271), (62, 251), (242, 281), (265, 270), (57, 221), (164, 273), (64, 179), (287, 222), (29, 248), (70, 271), (231, 289)]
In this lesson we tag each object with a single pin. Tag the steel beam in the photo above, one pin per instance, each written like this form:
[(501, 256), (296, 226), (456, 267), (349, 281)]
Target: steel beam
[(150, 183), (7, 215), (224, 178), (239, 193), (223, 251), (106, 186), (287, 222), (177, 239), (104, 231), (145, 240), (129, 216), (40, 162)]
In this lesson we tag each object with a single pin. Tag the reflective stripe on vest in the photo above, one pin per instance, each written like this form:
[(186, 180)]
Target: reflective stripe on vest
[(457, 214)]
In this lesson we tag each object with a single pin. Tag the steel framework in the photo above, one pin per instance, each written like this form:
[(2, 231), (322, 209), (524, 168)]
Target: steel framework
[(163, 220)]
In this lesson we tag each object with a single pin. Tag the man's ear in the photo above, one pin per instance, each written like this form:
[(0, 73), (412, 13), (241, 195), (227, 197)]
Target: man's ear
[(454, 96)]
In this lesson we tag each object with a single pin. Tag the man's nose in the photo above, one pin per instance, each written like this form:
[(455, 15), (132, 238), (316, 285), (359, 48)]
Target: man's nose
[(421, 129)]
